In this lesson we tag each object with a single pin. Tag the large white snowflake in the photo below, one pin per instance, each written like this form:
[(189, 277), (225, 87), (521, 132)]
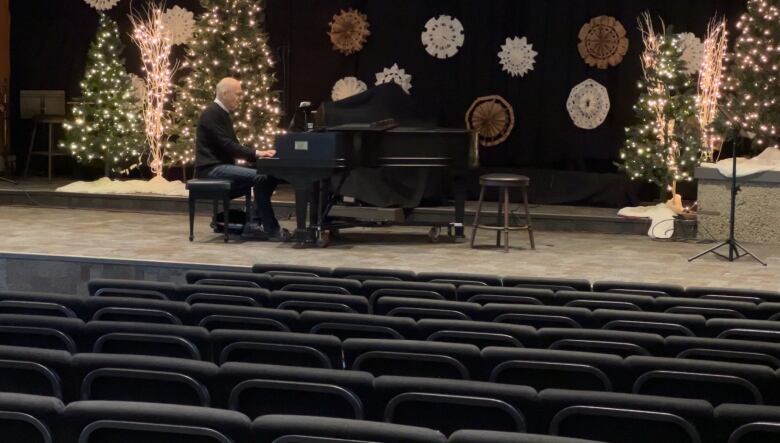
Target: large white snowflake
[(443, 36), (692, 51), (347, 87), (102, 5), (588, 104), (179, 25), (394, 74), (517, 56)]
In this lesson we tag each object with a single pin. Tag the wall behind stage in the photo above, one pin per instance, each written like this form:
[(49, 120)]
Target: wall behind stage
[(544, 135), (50, 41)]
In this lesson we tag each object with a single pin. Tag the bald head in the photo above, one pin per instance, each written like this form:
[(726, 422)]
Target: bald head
[(229, 92)]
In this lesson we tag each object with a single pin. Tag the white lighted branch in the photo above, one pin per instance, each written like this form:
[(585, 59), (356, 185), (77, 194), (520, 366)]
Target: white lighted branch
[(150, 37), (710, 83)]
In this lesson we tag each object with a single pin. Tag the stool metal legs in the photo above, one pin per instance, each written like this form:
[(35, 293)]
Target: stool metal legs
[(502, 222), (476, 216), (528, 218), (226, 218), (192, 218), (30, 149)]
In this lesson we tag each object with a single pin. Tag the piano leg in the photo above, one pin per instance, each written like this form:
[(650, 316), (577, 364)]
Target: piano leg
[(303, 197), (459, 189)]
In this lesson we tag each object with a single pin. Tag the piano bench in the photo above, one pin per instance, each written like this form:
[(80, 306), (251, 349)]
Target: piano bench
[(503, 182), (216, 191)]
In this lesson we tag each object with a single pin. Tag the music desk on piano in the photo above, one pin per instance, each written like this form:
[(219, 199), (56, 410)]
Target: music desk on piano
[(314, 161)]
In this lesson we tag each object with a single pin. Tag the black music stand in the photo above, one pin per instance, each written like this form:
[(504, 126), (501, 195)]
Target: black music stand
[(736, 250)]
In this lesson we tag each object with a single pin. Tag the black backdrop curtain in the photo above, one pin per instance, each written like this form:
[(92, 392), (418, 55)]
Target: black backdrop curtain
[(50, 40)]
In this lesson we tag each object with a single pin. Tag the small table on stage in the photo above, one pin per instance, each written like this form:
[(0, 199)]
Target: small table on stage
[(49, 120)]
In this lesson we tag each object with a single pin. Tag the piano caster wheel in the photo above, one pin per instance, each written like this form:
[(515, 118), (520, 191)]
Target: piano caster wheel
[(434, 234), (323, 239)]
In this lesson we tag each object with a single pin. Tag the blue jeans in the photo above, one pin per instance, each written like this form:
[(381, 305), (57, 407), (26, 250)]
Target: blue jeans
[(243, 179)]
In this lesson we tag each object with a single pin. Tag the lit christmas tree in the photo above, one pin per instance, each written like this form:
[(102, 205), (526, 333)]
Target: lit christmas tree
[(228, 42), (753, 84), (663, 146), (106, 123)]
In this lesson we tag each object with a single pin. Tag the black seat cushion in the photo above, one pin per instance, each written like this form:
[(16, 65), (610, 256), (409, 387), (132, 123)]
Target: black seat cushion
[(730, 417), (46, 410), (26, 380), (500, 179), (208, 185), (271, 427), (268, 347)]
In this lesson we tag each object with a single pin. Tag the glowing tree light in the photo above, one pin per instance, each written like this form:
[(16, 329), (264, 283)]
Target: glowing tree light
[(151, 38), (663, 146), (753, 83), (105, 124), (710, 83), (228, 42)]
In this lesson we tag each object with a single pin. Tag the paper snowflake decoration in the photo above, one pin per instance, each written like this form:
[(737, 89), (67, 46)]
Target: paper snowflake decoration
[(443, 36), (588, 104), (692, 52), (517, 56), (138, 88), (102, 5), (349, 31), (179, 25), (347, 87), (394, 74), (603, 42)]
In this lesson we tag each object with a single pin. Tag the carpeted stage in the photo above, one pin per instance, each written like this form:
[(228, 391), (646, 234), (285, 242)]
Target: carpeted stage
[(60, 248)]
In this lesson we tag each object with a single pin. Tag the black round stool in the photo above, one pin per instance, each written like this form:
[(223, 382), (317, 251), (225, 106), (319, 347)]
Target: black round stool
[(503, 182)]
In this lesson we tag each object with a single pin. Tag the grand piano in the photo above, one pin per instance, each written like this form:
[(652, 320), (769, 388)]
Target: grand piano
[(372, 131)]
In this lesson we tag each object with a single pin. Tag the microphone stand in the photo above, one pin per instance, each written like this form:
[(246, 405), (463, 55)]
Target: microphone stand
[(736, 250)]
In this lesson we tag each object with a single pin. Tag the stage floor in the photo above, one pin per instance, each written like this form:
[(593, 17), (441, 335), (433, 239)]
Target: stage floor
[(163, 237)]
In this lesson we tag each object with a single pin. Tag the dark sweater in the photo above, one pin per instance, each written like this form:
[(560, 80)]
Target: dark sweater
[(215, 140)]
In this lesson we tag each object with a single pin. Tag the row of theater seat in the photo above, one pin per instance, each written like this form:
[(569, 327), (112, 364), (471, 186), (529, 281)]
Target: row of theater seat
[(257, 391), (33, 419)]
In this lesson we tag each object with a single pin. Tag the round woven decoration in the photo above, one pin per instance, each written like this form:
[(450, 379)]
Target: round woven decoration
[(603, 42), (492, 118), (349, 31)]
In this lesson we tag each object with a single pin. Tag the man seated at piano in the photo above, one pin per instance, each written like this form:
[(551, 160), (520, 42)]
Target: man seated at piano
[(217, 149)]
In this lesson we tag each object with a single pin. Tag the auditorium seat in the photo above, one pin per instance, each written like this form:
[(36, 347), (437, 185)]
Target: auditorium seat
[(226, 295), (737, 423), (34, 371), (131, 422), (423, 308), (136, 310), (412, 358), (25, 307), (277, 348), (537, 316), (663, 324), (316, 284), (357, 325), (308, 301), (30, 418), (716, 382), (467, 436), (221, 278), (651, 289), (299, 270), (495, 294), (478, 333), (37, 331), (618, 417), (74, 303), (460, 279), (148, 339), (451, 405), (704, 307), (698, 291), (131, 288), (758, 330), (719, 349), (606, 300), (602, 341), (767, 311), (257, 390), (363, 274), (544, 368), (298, 429), (215, 316), (139, 378), (554, 284), (397, 289)]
